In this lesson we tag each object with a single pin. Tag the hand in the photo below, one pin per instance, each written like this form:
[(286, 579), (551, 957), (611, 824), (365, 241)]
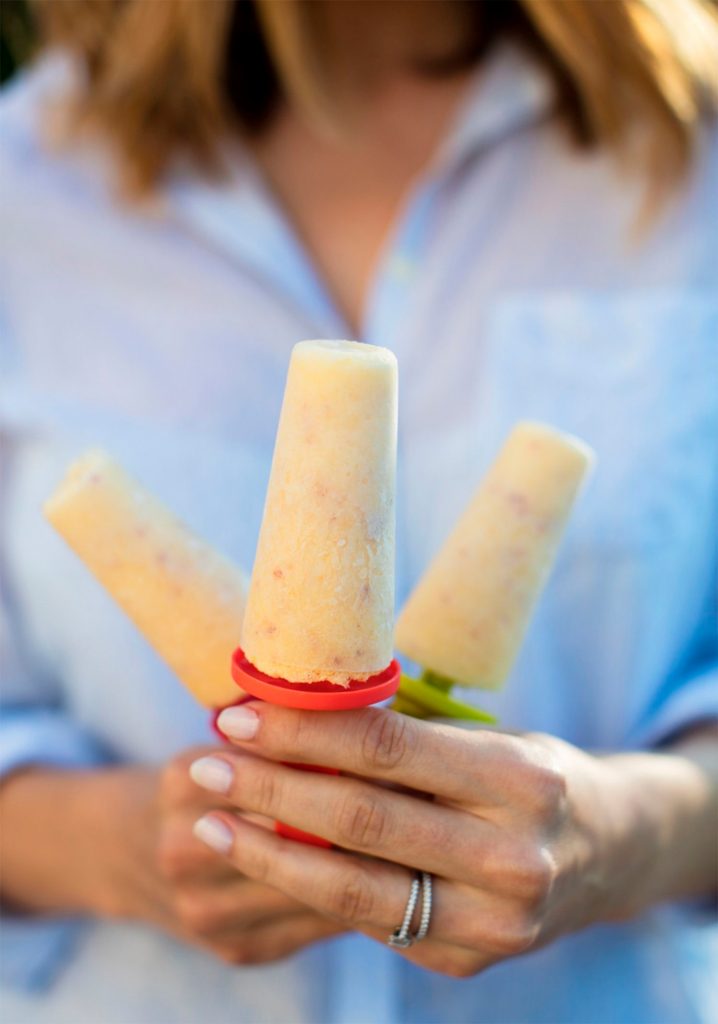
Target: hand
[(518, 831), (123, 848), (204, 899)]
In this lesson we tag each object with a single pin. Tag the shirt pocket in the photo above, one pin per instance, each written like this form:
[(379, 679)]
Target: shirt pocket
[(635, 374)]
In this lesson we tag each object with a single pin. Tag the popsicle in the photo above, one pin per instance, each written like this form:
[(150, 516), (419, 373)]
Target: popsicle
[(466, 619), (184, 597), (321, 598), (318, 627)]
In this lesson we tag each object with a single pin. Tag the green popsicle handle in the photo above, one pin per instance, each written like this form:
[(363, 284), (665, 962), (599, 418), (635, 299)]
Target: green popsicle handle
[(429, 697)]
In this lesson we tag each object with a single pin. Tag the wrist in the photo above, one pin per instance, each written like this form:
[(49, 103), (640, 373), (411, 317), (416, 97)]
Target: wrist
[(45, 868), (62, 842), (605, 846), (671, 800), (625, 846), (653, 826), (118, 811)]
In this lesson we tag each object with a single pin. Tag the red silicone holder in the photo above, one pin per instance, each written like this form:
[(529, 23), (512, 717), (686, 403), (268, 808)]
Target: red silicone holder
[(320, 696)]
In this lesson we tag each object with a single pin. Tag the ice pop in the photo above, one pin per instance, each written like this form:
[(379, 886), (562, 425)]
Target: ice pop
[(321, 599), (466, 619), (185, 598)]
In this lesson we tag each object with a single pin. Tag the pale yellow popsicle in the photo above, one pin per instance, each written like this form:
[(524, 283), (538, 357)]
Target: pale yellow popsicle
[(184, 597), (321, 597), (467, 617)]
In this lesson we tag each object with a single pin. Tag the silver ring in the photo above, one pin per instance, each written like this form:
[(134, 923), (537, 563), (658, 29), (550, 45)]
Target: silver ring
[(402, 937), (427, 896)]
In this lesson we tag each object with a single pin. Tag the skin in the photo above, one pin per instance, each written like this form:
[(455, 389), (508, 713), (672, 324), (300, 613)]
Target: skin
[(121, 847), (343, 193), (528, 837)]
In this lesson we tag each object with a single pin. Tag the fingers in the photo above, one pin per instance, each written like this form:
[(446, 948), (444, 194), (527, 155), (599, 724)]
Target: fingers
[(359, 816), (346, 888), (364, 893), (176, 791), (377, 743), (454, 961), (275, 940), (223, 911)]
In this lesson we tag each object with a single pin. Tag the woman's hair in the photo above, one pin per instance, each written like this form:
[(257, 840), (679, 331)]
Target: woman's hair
[(168, 78)]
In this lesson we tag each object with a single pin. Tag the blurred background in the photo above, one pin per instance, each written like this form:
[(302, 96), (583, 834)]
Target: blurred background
[(16, 37)]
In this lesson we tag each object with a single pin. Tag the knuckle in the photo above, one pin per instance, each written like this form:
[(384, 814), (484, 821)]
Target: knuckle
[(544, 878), (463, 969), (258, 865), (296, 732), (178, 855), (534, 878), (268, 789), (457, 966), (195, 913), (242, 953), (175, 784), (352, 899), (516, 936), (362, 821), (548, 792), (526, 873), (234, 954), (170, 859), (385, 745), (544, 783)]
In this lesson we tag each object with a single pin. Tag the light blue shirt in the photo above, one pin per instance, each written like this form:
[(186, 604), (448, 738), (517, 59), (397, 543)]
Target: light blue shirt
[(511, 287)]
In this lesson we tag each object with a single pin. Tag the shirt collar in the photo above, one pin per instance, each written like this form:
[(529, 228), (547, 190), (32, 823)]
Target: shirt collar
[(241, 218), (508, 93)]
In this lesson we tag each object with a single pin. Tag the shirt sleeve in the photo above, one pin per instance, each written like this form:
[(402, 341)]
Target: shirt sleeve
[(32, 735), (34, 729), (688, 701), (33, 950)]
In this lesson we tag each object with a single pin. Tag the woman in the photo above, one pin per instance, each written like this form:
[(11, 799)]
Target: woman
[(517, 198)]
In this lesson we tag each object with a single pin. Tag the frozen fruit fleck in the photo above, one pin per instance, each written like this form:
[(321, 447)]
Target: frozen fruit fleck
[(278, 574), (519, 503)]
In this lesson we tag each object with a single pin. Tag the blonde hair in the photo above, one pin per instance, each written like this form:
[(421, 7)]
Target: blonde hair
[(175, 77)]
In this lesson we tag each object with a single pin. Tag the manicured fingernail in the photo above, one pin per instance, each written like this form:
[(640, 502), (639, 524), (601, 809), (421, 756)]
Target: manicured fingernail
[(214, 833), (239, 723), (212, 773)]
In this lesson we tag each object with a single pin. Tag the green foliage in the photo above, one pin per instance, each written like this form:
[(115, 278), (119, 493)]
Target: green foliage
[(17, 36)]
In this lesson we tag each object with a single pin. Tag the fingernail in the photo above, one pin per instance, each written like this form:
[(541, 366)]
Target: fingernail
[(214, 833), (239, 723), (212, 773)]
